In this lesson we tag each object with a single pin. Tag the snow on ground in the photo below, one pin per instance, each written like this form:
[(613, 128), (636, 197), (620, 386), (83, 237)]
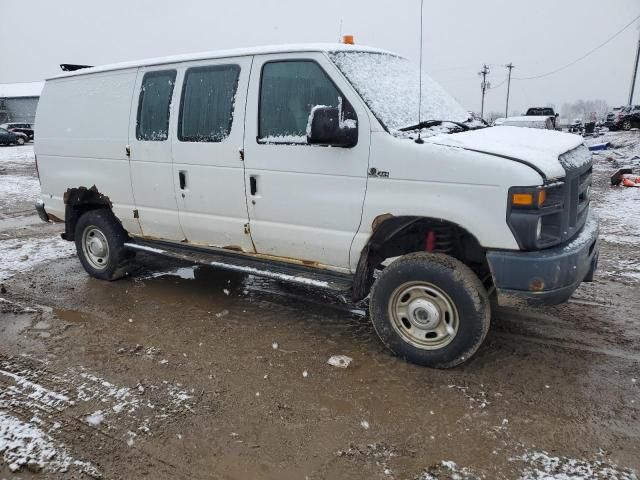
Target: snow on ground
[(17, 158), (21, 255), (24, 444), (541, 465), (538, 465), (618, 207), (14, 188), (32, 444)]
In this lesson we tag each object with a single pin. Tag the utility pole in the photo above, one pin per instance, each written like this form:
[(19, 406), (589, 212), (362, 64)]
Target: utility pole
[(484, 86), (635, 72), (506, 109)]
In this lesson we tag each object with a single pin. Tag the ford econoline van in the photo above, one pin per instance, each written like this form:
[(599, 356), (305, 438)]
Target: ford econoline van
[(314, 164)]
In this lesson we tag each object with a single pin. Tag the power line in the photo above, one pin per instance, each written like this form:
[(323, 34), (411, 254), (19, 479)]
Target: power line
[(583, 56), (493, 87)]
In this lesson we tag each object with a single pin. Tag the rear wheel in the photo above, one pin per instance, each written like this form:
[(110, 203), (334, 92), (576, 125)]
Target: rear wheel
[(100, 242), (430, 309)]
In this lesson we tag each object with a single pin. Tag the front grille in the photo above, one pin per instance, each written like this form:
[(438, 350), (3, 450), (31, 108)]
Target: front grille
[(578, 167)]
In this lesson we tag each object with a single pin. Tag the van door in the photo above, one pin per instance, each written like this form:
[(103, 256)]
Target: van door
[(305, 201), (150, 153), (208, 170)]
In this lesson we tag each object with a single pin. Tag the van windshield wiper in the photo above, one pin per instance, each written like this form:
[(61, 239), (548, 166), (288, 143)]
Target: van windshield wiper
[(433, 123)]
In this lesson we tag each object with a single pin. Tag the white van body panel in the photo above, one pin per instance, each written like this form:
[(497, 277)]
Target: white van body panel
[(308, 204), (82, 134), (152, 173), (467, 188), (213, 209)]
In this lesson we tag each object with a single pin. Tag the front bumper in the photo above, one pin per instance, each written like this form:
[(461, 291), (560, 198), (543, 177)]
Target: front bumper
[(548, 276), (42, 213)]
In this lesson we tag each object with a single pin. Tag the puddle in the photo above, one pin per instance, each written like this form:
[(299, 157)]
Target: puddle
[(73, 316)]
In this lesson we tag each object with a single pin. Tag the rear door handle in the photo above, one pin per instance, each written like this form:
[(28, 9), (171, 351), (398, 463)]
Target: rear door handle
[(253, 182), (183, 179)]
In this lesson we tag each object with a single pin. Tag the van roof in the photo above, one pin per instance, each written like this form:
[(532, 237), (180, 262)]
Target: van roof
[(236, 52)]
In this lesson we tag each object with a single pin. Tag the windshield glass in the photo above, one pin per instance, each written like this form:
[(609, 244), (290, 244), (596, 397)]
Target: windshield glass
[(390, 87)]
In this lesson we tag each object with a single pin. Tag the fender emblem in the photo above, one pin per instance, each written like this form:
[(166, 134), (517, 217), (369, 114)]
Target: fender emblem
[(374, 172)]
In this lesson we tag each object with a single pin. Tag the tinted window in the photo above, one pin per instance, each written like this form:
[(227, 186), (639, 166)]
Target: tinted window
[(154, 104), (288, 92), (208, 97)]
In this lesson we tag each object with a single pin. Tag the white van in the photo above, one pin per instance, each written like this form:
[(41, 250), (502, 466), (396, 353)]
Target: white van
[(310, 164)]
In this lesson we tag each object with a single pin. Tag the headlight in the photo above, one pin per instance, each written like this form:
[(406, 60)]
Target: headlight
[(534, 215)]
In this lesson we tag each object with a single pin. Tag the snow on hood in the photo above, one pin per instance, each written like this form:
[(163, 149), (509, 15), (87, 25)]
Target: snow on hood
[(540, 148)]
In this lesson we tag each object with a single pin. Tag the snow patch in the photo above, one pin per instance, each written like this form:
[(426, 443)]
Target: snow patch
[(23, 444), (14, 188), (22, 255), (543, 466)]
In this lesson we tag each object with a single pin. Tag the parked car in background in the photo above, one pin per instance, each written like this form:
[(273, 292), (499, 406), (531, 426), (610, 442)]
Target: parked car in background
[(25, 128), (576, 126), (10, 138), (543, 112), (631, 117), (613, 121)]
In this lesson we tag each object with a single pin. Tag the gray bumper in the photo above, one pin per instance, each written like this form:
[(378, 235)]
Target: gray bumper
[(42, 213), (547, 276)]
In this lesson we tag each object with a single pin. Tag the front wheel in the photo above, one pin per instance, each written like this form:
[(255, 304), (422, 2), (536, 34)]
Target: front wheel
[(20, 141), (430, 309), (626, 125), (100, 243)]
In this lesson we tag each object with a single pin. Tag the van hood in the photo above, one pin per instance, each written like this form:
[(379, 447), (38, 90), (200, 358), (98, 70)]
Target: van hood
[(536, 147)]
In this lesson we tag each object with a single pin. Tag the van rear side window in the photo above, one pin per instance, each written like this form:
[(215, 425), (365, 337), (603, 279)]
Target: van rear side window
[(154, 104), (208, 98)]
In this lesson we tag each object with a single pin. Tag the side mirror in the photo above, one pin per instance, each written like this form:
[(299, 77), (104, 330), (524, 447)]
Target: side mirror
[(325, 128)]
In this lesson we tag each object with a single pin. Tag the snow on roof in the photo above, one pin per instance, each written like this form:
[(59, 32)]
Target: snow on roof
[(15, 90), (236, 52)]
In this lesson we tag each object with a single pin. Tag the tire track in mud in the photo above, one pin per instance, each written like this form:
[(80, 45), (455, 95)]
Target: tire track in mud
[(58, 406)]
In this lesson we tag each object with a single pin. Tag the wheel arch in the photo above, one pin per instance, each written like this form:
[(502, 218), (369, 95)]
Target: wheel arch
[(79, 200), (394, 236)]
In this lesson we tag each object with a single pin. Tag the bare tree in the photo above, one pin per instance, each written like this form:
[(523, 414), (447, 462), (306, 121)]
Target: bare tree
[(585, 109)]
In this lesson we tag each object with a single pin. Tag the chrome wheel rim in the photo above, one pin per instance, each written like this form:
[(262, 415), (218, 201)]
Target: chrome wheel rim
[(423, 315), (95, 247)]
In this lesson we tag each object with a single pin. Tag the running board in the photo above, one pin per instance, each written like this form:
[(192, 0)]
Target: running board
[(243, 263)]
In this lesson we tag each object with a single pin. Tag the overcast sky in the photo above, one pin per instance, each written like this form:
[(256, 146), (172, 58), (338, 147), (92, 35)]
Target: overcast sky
[(459, 36)]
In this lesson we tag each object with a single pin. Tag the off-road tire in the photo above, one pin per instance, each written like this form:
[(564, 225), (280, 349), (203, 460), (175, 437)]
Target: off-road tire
[(118, 262), (462, 286)]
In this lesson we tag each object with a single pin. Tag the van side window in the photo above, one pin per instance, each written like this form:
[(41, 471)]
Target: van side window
[(154, 104), (288, 92), (208, 98)]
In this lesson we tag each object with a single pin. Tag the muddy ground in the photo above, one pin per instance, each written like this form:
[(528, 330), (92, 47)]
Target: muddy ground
[(189, 372)]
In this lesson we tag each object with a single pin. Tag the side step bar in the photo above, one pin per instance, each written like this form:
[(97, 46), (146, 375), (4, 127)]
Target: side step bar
[(243, 263)]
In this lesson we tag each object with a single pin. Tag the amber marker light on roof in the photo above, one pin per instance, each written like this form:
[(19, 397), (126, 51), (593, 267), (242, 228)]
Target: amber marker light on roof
[(348, 39)]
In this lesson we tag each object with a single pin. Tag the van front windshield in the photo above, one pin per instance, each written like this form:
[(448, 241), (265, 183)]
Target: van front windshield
[(390, 86)]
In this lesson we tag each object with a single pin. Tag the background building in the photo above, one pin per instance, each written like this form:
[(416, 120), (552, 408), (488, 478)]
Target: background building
[(18, 101)]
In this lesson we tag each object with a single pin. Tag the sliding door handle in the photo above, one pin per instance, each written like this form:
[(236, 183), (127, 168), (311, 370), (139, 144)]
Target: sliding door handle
[(253, 183), (182, 175)]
